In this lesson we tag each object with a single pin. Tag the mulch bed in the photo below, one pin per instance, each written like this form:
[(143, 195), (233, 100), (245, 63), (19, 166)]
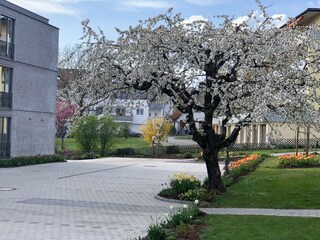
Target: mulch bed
[(191, 231)]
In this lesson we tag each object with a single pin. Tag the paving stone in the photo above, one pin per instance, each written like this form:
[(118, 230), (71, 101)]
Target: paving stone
[(90, 199)]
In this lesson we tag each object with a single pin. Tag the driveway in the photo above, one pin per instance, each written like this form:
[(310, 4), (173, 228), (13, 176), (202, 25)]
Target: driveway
[(100, 199), (172, 140)]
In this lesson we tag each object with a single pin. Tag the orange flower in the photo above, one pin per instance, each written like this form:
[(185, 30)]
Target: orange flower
[(300, 156), (244, 161)]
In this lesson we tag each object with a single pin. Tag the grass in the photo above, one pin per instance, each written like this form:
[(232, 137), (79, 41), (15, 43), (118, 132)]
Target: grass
[(184, 137), (230, 227), (271, 187), (71, 144)]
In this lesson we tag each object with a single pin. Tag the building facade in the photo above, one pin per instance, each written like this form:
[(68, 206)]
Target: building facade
[(136, 112), (28, 71)]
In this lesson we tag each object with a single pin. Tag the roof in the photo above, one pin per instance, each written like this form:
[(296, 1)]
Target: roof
[(303, 17)]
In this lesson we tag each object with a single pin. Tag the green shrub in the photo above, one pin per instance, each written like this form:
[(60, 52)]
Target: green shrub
[(23, 161), (158, 232), (172, 150), (108, 132), (186, 155), (124, 152), (90, 155), (193, 194), (182, 216), (124, 131), (167, 192), (182, 183), (86, 133)]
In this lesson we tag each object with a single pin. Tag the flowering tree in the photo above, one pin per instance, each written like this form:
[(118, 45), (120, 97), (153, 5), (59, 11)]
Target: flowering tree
[(64, 116), (230, 70), (78, 85), (156, 130)]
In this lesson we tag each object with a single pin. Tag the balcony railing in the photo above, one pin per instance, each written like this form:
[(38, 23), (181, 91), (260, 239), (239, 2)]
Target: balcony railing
[(123, 118), (6, 49), (4, 149), (5, 100)]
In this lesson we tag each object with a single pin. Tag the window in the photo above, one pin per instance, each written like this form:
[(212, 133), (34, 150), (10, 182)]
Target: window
[(155, 114), (139, 111), (120, 112), (99, 110), (6, 36), (4, 137), (5, 87)]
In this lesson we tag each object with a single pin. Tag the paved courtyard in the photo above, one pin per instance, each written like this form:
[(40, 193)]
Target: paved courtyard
[(90, 199)]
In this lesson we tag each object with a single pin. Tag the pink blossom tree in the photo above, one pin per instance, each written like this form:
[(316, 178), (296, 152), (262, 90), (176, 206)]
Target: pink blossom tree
[(64, 116)]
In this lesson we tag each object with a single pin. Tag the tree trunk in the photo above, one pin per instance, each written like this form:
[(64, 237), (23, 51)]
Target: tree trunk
[(62, 143), (308, 141), (227, 162), (213, 169)]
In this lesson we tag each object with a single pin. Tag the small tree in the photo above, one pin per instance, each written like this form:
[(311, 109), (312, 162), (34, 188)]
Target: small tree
[(86, 133), (156, 130), (108, 131), (124, 130), (64, 116)]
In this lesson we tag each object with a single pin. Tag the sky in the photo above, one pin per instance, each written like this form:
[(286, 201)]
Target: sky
[(108, 14)]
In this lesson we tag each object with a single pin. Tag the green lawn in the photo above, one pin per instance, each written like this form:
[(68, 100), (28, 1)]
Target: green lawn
[(270, 187), (70, 143), (228, 227), (184, 137)]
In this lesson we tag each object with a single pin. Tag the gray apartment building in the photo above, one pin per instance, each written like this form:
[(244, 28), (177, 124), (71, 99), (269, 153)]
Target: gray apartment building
[(28, 72)]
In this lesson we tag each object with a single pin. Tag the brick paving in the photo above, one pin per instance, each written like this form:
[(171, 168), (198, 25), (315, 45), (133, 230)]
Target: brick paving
[(95, 199), (90, 199)]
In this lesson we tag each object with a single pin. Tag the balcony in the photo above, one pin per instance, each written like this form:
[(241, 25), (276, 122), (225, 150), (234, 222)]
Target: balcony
[(5, 100), (123, 118), (6, 49)]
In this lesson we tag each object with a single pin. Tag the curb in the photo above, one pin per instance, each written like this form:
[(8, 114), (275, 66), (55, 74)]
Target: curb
[(171, 200)]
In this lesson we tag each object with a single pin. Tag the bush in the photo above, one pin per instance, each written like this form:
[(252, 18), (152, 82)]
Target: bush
[(124, 152), (172, 150), (124, 131), (197, 194), (167, 192), (108, 131), (23, 161), (157, 232), (183, 182), (86, 133), (90, 155), (186, 155), (182, 216)]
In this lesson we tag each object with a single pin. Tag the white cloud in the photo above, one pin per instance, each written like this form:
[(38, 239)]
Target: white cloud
[(50, 6), (194, 18), (278, 19), (206, 2)]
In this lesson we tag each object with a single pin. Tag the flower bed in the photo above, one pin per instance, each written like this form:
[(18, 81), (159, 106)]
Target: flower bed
[(298, 161), (244, 165), (241, 168), (175, 223), (183, 186), (30, 160)]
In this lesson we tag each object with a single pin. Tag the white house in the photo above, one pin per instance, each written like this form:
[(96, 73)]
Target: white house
[(136, 112)]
